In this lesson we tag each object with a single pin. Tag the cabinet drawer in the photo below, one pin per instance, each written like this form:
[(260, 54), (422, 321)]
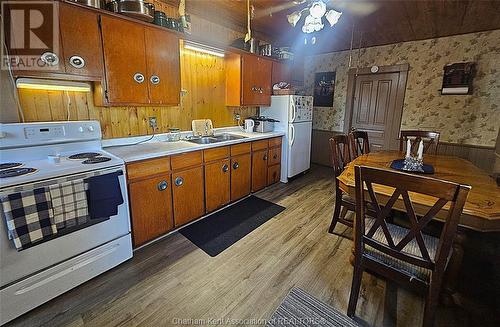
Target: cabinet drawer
[(216, 153), (148, 167), (275, 141), (273, 174), (185, 160), (274, 156), (241, 148), (259, 145)]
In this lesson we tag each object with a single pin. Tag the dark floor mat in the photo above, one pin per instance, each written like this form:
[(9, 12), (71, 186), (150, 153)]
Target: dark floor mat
[(219, 231)]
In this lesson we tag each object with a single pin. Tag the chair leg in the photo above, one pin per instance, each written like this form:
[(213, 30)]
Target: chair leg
[(336, 213), (432, 300), (356, 285)]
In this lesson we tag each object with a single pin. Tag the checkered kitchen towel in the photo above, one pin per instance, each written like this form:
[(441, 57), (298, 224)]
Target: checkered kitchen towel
[(69, 201), (29, 216)]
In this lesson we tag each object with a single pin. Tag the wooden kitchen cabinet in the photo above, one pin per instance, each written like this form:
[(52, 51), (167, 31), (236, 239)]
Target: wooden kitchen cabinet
[(188, 195), (151, 208), (273, 174), (259, 170), (241, 176), (81, 43), (217, 184), (248, 80), (281, 73), (274, 161), (142, 64)]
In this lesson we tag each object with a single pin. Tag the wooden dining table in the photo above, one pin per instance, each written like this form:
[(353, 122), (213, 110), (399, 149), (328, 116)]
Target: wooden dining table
[(481, 211)]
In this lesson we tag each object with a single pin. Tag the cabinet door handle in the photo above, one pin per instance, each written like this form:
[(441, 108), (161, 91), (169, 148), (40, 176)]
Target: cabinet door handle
[(225, 168), (50, 58), (155, 80), (254, 88), (162, 186), (77, 61), (179, 181), (139, 78), (236, 165), (260, 90), (265, 157), (275, 156)]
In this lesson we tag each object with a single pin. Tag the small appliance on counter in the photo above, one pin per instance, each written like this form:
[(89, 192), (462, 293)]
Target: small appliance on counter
[(249, 125), (263, 124)]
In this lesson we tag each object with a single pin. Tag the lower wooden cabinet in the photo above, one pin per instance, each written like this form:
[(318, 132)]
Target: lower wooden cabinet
[(151, 208), (241, 176), (259, 170), (217, 184), (273, 174), (188, 195)]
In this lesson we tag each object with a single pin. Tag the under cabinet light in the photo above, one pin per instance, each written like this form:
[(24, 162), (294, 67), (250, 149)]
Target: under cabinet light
[(51, 85), (203, 48)]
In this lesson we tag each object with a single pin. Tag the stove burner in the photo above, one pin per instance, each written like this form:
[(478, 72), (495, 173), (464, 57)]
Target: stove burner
[(8, 165), (84, 155), (95, 160), (14, 172)]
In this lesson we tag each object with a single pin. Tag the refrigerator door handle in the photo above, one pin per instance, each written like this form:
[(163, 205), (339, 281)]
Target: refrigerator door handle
[(294, 113), (292, 135)]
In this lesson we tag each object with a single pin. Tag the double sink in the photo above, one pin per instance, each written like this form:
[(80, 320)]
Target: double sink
[(215, 139)]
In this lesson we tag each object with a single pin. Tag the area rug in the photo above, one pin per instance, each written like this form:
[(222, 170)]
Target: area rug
[(222, 229), (302, 309)]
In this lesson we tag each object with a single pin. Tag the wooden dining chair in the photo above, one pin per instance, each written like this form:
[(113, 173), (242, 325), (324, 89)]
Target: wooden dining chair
[(431, 140), (340, 157), (359, 143), (399, 254)]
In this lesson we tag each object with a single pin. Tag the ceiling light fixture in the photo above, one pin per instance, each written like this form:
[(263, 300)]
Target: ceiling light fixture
[(52, 85), (314, 20), (203, 48)]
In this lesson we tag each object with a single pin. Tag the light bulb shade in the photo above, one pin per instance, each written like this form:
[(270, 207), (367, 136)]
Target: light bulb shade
[(317, 9), (332, 17), (294, 18)]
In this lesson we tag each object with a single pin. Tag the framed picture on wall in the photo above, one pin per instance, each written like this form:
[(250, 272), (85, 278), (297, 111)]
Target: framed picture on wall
[(324, 86)]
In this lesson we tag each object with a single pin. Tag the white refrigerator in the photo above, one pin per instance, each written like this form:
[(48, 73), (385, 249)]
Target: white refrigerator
[(294, 113)]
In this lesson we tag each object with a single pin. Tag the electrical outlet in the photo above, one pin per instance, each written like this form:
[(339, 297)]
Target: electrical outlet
[(237, 116), (152, 122)]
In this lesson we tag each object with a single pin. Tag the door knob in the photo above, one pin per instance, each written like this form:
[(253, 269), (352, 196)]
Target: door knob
[(76, 61), (155, 80), (225, 168), (139, 78), (162, 186), (50, 58), (236, 165), (179, 181)]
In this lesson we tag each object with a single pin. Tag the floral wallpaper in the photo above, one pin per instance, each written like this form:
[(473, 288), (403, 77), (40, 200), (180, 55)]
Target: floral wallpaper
[(468, 119)]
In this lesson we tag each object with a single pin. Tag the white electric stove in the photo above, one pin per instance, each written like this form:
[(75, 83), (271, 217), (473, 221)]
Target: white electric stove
[(41, 154)]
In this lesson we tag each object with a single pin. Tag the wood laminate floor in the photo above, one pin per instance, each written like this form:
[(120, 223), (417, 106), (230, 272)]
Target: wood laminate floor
[(172, 279)]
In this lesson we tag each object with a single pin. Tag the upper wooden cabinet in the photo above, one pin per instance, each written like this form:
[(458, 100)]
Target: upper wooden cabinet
[(80, 41), (248, 80), (142, 64), (281, 73)]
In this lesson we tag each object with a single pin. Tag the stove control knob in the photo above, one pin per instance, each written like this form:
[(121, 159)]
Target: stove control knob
[(90, 128), (80, 129)]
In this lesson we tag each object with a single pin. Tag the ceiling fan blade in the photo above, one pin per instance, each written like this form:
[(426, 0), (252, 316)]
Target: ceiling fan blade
[(355, 7)]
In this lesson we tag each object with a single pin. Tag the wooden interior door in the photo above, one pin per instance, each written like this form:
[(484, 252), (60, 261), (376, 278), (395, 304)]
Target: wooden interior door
[(189, 202), (81, 43), (375, 108), (259, 170), (125, 60), (241, 172), (163, 67), (151, 208), (217, 184)]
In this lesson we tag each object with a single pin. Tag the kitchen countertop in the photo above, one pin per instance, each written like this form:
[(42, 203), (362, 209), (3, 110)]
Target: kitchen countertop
[(129, 151)]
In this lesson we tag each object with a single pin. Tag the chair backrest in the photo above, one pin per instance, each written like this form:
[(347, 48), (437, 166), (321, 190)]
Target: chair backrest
[(403, 183), (339, 153), (431, 139), (359, 143)]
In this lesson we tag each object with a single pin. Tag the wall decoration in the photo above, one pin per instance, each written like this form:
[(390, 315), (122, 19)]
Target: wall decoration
[(324, 85)]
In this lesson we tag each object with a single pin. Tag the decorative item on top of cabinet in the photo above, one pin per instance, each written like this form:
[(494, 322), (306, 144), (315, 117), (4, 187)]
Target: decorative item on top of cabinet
[(142, 64), (248, 80), (150, 197), (188, 187)]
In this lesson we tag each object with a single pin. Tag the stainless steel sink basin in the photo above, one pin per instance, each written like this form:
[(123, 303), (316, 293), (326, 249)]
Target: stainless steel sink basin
[(216, 138)]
